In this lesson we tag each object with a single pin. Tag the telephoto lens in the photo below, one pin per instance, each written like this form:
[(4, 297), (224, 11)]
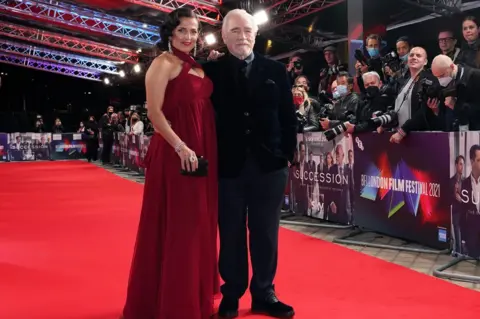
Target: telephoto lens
[(335, 131)]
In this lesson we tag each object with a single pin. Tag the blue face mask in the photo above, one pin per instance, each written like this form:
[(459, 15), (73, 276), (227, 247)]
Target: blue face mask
[(373, 52), (340, 91), (404, 58)]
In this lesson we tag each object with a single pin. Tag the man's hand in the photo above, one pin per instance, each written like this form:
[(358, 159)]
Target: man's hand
[(214, 55), (350, 127), (380, 130), (433, 105), (396, 138), (450, 102), (324, 123)]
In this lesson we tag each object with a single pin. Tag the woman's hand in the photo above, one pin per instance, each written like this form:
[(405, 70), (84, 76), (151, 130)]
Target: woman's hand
[(188, 159)]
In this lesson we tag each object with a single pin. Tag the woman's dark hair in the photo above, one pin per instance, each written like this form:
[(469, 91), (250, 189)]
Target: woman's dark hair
[(471, 18), (171, 22)]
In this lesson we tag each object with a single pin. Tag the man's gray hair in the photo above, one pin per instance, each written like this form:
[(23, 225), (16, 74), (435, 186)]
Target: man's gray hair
[(239, 13), (371, 73)]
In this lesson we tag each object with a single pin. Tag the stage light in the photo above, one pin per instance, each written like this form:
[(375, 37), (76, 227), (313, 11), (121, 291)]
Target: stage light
[(106, 81), (121, 73), (137, 68), (269, 43), (210, 39), (261, 17)]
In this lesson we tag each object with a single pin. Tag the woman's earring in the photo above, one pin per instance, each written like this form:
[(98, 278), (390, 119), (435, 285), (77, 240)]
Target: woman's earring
[(195, 50), (170, 47)]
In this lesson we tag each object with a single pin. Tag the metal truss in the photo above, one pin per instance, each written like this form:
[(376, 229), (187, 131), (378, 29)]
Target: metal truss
[(49, 67), (95, 65), (441, 7), (72, 16), (206, 11), (287, 11), (68, 43), (301, 38)]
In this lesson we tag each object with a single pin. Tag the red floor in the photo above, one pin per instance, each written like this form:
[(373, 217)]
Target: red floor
[(67, 231)]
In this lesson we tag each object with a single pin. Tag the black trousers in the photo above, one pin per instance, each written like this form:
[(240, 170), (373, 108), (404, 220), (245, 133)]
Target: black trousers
[(107, 148), (261, 195), (92, 149)]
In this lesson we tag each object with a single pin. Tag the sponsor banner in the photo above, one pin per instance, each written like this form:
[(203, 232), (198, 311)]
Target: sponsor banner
[(29, 146), (3, 147), (403, 188), (464, 192), (67, 146), (322, 178)]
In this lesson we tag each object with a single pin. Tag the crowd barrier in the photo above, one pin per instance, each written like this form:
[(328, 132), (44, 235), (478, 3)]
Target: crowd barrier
[(405, 190)]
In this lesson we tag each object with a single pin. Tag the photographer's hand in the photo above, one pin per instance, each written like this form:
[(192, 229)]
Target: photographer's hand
[(396, 138), (433, 105), (324, 123), (450, 102), (350, 127)]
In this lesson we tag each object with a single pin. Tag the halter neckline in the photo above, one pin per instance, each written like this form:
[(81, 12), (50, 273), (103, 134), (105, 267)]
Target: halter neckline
[(186, 58)]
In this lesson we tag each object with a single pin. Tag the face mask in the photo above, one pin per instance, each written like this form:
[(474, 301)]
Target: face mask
[(373, 52), (404, 58), (297, 100), (340, 91), (372, 91), (444, 81)]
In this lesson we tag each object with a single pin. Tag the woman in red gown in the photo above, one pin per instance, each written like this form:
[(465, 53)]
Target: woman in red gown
[(174, 268)]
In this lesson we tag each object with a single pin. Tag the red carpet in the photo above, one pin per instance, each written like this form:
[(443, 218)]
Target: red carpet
[(67, 231)]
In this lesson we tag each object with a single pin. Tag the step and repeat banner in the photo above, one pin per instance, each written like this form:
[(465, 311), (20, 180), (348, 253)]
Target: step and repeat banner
[(426, 189), (412, 190), (22, 147)]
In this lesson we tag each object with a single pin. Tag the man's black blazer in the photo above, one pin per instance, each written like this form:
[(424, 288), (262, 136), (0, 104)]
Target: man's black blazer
[(256, 117)]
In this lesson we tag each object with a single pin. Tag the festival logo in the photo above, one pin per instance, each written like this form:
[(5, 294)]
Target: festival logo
[(402, 187)]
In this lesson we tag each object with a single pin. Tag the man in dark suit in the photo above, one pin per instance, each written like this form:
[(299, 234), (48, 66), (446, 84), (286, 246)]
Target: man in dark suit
[(455, 189), (470, 197), (339, 195), (256, 129)]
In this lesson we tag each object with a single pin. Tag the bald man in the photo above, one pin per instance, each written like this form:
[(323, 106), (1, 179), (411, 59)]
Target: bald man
[(466, 80), (413, 114)]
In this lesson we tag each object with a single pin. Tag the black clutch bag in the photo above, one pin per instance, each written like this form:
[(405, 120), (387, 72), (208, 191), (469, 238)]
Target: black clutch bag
[(201, 171)]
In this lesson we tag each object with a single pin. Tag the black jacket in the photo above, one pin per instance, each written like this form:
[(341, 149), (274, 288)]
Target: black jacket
[(256, 116), (422, 117), (467, 107)]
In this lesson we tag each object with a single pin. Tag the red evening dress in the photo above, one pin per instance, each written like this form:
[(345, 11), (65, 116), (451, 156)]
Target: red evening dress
[(174, 269)]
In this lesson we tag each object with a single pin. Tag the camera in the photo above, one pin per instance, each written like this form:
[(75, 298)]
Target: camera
[(391, 60), (360, 57), (339, 129), (381, 119), (326, 110), (298, 65), (301, 118), (433, 90)]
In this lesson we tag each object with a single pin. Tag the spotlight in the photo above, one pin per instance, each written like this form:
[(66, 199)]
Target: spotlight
[(121, 73), (210, 39), (261, 17), (106, 81), (137, 68)]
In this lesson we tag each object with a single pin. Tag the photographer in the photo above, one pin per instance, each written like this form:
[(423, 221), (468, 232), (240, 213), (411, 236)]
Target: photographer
[(374, 63), (465, 81), (329, 74), (294, 68), (376, 101), (415, 111), (306, 113), (346, 102), (136, 125)]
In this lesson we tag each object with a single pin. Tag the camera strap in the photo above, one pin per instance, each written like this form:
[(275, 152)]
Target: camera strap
[(407, 93)]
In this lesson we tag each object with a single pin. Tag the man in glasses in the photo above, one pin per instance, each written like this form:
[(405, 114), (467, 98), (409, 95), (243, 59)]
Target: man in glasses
[(447, 43)]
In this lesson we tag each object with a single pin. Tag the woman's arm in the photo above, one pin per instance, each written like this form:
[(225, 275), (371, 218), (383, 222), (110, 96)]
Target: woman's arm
[(158, 75), (164, 69)]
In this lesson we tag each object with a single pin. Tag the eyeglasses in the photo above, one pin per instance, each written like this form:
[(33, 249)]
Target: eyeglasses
[(444, 40)]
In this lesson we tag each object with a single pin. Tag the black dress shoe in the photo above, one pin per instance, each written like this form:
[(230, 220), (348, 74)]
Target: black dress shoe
[(228, 308), (272, 307)]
